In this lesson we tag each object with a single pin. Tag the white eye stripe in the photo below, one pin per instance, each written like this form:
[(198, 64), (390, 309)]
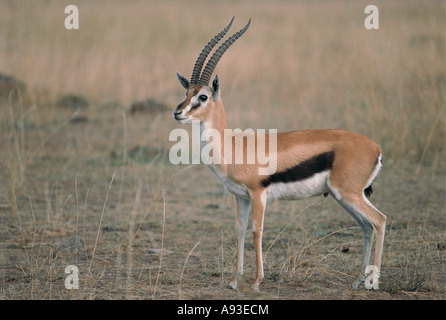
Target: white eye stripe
[(195, 101)]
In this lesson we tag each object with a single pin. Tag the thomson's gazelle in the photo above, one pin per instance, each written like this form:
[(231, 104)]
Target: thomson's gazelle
[(309, 163)]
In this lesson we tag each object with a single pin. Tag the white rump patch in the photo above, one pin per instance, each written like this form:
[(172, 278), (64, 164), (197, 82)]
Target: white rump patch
[(375, 171)]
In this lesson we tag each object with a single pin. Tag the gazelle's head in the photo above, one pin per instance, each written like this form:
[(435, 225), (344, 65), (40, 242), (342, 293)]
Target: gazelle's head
[(201, 97)]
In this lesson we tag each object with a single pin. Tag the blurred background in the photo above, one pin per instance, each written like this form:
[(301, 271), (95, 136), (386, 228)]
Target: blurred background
[(302, 64)]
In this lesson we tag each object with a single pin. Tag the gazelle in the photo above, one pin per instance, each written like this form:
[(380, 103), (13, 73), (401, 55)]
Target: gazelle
[(341, 163)]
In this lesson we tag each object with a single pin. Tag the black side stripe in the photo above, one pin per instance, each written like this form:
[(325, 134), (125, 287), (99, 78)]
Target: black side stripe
[(303, 170)]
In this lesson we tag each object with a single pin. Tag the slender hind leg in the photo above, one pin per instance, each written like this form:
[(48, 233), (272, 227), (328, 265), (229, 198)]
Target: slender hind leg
[(372, 222), (379, 222)]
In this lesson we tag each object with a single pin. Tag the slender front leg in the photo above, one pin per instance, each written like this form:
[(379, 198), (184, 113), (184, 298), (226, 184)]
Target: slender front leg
[(241, 222), (258, 210)]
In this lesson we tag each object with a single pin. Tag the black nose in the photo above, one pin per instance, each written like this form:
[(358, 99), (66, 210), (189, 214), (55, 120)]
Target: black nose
[(176, 113)]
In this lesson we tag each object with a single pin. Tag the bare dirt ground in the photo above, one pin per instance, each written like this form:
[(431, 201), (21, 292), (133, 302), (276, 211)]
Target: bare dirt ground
[(149, 230)]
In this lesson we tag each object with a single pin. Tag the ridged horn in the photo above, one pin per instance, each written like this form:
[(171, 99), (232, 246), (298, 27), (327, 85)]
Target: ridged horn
[(212, 63), (205, 52)]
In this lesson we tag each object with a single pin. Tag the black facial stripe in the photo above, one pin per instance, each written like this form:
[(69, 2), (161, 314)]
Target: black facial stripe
[(180, 106), (303, 170)]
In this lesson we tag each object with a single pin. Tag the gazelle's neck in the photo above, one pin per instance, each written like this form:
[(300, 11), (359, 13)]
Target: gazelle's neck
[(216, 119), (215, 123)]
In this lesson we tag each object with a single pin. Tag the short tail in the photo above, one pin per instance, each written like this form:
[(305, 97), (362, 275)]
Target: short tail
[(368, 191)]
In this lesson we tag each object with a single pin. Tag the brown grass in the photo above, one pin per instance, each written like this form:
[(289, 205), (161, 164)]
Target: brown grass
[(155, 231)]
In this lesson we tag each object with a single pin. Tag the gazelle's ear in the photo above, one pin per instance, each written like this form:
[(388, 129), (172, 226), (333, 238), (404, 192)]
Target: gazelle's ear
[(184, 82), (215, 88)]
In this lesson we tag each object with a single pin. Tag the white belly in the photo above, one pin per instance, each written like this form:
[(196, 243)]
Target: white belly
[(310, 187)]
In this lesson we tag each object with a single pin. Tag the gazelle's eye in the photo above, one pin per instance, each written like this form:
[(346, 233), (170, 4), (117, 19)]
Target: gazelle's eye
[(203, 98)]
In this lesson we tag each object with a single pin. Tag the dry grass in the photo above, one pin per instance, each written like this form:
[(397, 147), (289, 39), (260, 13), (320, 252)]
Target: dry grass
[(151, 230)]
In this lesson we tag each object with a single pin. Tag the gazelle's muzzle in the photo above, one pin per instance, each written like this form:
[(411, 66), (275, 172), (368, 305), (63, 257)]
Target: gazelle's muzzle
[(177, 115)]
